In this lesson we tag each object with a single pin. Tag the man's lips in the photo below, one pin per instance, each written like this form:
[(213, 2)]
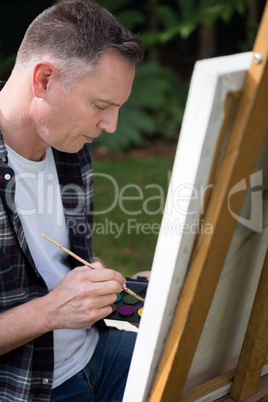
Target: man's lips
[(89, 139)]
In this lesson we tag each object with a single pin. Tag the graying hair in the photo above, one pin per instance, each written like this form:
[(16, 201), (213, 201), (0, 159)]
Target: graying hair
[(72, 34)]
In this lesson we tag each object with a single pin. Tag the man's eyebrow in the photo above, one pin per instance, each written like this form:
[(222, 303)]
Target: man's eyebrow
[(107, 101)]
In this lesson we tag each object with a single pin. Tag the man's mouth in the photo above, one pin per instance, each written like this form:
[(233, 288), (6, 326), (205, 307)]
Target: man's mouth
[(89, 139)]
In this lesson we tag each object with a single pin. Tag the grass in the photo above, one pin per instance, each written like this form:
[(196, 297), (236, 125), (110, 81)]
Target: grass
[(129, 201)]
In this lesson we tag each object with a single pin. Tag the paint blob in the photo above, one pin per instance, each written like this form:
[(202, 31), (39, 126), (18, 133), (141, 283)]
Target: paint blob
[(126, 310), (130, 299)]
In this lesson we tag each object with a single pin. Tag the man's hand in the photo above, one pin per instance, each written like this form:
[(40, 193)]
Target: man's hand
[(83, 297), (145, 274)]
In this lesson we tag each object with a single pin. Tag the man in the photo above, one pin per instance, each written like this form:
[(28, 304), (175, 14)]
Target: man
[(74, 70)]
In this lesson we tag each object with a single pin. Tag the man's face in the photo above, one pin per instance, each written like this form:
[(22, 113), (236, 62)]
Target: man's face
[(69, 118)]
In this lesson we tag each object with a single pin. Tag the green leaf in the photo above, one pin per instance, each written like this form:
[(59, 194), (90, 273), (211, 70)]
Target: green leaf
[(150, 38), (167, 16), (187, 8), (131, 18), (114, 5)]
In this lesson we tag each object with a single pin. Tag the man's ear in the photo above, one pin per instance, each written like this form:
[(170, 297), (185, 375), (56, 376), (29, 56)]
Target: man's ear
[(43, 75)]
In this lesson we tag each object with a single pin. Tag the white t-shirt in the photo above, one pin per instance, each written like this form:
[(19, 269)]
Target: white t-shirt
[(39, 205)]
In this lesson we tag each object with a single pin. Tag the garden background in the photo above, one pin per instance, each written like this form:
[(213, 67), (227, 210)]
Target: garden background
[(132, 166)]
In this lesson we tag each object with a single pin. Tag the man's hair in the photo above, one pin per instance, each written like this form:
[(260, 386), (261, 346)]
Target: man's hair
[(72, 34)]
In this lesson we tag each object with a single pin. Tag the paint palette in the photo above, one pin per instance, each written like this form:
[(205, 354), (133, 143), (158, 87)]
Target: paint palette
[(129, 308)]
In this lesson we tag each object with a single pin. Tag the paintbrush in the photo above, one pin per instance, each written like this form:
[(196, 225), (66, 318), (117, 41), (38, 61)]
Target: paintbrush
[(124, 287)]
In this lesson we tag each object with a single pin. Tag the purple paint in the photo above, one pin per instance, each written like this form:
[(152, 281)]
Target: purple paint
[(126, 310)]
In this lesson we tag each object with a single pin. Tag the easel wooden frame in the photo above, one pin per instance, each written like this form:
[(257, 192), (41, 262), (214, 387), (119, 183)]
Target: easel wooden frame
[(240, 157), (206, 124)]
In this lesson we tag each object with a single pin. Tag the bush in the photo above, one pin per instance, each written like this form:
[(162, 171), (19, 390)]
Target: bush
[(155, 107)]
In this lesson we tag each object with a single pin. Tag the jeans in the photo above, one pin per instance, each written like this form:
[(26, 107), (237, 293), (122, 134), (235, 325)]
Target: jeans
[(104, 377)]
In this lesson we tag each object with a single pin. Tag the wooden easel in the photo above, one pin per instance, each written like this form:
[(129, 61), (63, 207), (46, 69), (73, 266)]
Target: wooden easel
[(241, 153)]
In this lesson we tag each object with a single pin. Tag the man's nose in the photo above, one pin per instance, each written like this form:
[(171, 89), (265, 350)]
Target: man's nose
[(109, 122)]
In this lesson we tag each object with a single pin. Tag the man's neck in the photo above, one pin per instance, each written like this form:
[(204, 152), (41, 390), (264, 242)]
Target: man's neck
[(15, 122)]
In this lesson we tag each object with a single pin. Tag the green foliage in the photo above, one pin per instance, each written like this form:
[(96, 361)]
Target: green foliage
[(155, 107), (158, 97), (128, 16), (184, 16)]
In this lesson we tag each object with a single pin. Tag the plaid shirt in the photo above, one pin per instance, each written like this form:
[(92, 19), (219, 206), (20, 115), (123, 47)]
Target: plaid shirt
[(26, 373)]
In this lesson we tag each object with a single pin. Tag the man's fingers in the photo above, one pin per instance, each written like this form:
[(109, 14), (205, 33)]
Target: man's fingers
[(99, 275), (99, 289)]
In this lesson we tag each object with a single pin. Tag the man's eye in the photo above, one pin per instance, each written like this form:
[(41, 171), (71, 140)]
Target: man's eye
[(100, 107)]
